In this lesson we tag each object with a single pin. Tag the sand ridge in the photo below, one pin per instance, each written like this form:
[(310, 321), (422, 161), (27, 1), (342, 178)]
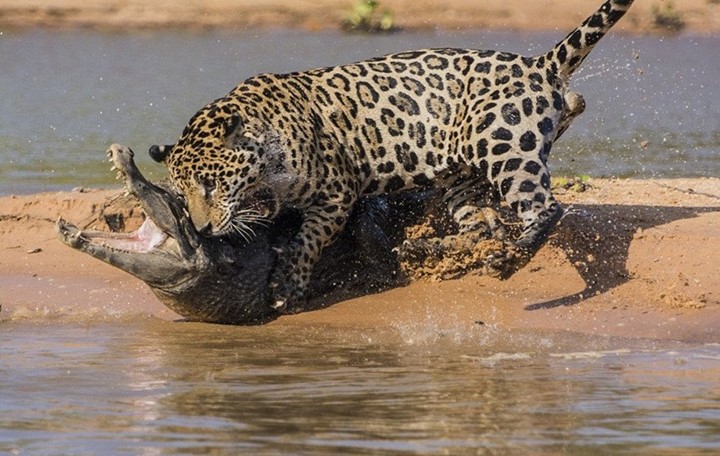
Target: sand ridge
[(635, 258)]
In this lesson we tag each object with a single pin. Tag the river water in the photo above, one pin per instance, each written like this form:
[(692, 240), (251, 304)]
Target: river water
[(132, 384), (653, 103), (142, 386)]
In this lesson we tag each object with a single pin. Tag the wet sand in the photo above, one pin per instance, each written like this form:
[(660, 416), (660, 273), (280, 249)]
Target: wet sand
[(699, 16), (637, 258)]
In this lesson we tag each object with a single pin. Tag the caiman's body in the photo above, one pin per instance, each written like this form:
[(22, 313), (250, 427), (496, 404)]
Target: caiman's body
[(212, 279)]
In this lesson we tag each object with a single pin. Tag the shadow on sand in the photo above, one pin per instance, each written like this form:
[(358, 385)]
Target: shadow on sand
[(595, 239), (603, 233)]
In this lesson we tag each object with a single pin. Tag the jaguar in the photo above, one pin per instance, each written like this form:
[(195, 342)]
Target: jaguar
[(473, 122)]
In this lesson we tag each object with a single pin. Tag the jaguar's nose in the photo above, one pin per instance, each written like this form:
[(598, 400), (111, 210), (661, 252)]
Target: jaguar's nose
[(205, 230)]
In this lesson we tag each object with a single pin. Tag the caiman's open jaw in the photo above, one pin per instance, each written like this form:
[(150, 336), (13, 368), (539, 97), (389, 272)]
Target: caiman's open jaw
[(143, 240), (165, 229), (162, 251)]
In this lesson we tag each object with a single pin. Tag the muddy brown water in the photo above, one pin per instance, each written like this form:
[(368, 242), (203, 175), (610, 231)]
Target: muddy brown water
[(109, 384)]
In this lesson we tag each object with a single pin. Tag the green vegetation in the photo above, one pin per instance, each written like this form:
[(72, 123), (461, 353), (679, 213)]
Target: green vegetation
[(366, 17), (666, 17), (576, 184)]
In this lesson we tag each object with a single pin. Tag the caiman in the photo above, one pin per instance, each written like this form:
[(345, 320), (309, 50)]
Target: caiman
[(226, 279)]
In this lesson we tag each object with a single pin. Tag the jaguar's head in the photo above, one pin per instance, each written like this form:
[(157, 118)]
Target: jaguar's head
[(218, 165)]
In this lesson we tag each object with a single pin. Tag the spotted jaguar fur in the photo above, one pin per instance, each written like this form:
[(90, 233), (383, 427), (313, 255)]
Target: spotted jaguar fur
[(476, 121)]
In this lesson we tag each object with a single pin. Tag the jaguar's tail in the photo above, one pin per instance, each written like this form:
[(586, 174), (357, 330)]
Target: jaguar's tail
[(569, 53)]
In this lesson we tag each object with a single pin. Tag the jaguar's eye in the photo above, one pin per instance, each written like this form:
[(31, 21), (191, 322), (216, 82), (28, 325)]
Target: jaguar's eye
[(207, 184)]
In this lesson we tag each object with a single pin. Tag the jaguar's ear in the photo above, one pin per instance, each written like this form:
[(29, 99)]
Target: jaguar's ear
[(160, 153)]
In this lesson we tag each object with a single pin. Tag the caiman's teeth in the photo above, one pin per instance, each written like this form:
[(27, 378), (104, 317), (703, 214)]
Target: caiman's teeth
[(119, 176), (113, 168)]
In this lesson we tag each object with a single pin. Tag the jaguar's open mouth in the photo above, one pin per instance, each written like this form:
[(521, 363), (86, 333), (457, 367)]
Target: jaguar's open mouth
[(262, 203)]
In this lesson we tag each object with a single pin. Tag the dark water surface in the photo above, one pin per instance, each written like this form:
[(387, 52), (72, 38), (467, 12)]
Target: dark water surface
[(653, 103), (142, 386)]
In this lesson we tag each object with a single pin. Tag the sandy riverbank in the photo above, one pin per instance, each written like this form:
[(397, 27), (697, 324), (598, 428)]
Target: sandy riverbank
[(642, 262), (638, 260), (698, 16)]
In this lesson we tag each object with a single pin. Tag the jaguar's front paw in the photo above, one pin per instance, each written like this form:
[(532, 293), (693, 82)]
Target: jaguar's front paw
[(288, 294), (287, 301)]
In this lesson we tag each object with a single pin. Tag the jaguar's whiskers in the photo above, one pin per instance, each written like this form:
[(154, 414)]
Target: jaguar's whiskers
[(244, 219)]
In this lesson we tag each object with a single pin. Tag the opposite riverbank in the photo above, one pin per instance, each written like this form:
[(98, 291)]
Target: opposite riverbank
[(646, 16)]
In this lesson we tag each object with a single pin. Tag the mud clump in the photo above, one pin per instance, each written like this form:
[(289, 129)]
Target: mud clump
[(428, 255)]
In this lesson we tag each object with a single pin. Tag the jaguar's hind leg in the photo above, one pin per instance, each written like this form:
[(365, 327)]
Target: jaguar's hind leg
[(471, 201), (527, 191)]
